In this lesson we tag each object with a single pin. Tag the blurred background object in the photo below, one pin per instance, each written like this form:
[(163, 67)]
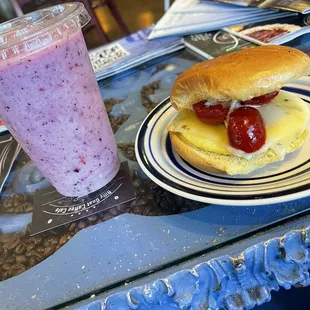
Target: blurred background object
[(111, 19), (6, 10)]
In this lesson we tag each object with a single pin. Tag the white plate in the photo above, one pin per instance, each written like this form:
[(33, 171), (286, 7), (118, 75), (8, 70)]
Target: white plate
[(275, 183)]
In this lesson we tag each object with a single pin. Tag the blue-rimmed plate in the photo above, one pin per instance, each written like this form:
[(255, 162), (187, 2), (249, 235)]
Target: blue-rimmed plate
[(278, 182)]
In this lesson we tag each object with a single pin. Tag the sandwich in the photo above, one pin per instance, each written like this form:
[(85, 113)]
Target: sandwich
[(233, 116)]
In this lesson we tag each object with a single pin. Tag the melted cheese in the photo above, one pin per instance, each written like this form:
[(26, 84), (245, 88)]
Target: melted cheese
[(286, 118)]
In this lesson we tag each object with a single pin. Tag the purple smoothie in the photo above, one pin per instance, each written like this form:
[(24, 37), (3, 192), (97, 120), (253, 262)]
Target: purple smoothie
[(52, 105)]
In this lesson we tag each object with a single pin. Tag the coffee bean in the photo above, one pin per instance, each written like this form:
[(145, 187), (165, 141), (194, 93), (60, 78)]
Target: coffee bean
[(18, 266), (19, 209), (110, 102), (126, 210), (81, 225), (137, 183), (133, 204), (146, 209), (63, 239), (128, 149), (5, 252), (114, 211), (40, 249), (28, 229), (18, 199), (2, 260), (20, 249), (12, 245), (170, 198), (106, 217), (183, 210), (72, 226), (51, 240), (38, 255), (54, 232), (10, 259), (141, 190), (145, 92), (92, 218), (6, 266), (165, 205), (30, 247), (71, 234), (5, 274), (49, 250), (33, 261), (16, 204), (141, 202), (153, 213), (10, 210), (137, 209), (16, 270), (28, 207), (153, 186), (21, 259), (100, 214), (29, 254), (8, 238), (36, 239), (135, 175), (120, 207)]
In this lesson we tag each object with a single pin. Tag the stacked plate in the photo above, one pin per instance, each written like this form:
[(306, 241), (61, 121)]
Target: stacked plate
[(278, 182)]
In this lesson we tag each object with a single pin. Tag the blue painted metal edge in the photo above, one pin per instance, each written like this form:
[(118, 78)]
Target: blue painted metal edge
[(238, 281)]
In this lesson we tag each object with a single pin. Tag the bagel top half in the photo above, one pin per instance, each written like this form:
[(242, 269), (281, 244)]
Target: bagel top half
[(240, 75)]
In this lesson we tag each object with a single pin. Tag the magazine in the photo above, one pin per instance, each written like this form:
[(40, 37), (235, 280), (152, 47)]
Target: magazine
[(301, 6), (278, 32), (131, 51), (215, 43), (186, 17)]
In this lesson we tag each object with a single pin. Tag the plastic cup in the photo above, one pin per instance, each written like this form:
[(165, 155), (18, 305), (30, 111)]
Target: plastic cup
[(50, 100)]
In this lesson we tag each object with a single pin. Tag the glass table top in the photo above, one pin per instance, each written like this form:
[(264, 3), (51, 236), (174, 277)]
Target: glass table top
[(189, 228)]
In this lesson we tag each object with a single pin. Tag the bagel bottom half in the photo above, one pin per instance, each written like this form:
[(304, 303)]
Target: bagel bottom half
[(229, 164)]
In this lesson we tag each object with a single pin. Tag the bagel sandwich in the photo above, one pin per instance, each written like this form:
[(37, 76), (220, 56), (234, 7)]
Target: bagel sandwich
[(233, 116)]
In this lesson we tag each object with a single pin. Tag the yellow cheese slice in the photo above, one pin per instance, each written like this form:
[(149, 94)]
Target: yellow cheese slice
[(286, 117)]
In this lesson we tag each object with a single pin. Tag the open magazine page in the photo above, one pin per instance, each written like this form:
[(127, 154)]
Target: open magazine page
[(131, 51), (302, 43), (302, 6), (215, 43), (194, 16), (273, 32), (218, 43)]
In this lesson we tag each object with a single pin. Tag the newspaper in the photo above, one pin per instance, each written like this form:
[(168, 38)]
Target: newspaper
[(300, 6), (192, 16), (276, 32), (131, 51), (215, 43)]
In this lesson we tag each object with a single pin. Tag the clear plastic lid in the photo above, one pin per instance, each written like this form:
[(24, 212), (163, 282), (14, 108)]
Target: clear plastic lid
[(36, 30)]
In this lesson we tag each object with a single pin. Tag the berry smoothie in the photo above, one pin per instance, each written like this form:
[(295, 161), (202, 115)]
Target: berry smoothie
[(51, 104)]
